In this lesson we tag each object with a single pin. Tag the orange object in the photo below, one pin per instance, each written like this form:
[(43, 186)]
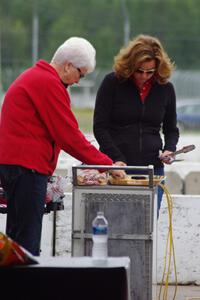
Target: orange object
[(13, 254)]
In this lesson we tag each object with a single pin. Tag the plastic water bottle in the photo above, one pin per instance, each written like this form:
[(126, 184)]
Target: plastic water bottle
[(100, 236)]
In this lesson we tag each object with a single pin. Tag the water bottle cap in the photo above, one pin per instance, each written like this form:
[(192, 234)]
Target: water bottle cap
[(100, 213)]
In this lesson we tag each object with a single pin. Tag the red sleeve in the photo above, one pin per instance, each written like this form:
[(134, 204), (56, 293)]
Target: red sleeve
[(63, 127)]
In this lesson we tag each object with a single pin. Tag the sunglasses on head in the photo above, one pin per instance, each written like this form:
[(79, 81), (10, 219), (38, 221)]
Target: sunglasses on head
[(149, 72)]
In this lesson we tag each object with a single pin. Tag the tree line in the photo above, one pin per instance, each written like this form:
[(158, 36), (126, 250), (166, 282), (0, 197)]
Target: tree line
[(104, 23)]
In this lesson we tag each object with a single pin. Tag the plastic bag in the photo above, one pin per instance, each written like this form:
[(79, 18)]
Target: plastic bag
[(55, 188), (91, 177), (2, 196)]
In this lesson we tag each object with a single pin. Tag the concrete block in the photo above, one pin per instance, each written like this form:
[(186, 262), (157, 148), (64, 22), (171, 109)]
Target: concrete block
[(185, 232), (192, 183), (173, 182)]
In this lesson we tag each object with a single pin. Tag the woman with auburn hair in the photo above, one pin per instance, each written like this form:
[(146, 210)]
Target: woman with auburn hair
[(134, 103)]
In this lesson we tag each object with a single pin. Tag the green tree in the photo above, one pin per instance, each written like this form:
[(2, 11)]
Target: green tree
[(175, 22)]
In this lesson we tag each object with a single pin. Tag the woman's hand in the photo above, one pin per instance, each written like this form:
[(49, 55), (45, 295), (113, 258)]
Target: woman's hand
[(118, 174), (167, 157), (120, 163)]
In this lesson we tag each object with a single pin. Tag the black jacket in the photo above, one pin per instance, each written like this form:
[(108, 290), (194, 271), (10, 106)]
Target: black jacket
[(128, 130)]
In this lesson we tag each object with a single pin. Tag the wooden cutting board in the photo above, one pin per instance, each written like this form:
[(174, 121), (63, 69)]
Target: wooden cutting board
[(139, 180)]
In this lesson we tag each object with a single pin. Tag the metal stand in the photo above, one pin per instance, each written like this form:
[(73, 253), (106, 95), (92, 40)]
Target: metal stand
[(131, 213), (49, 207), (54, 207)]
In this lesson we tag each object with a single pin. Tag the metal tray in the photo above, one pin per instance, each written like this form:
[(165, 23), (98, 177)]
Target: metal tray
[(134, 179)]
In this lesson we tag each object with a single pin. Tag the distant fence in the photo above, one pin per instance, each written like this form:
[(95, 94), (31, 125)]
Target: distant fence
[(187, 85)]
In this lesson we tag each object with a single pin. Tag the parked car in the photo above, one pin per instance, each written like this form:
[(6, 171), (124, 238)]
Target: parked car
[(188, 115)]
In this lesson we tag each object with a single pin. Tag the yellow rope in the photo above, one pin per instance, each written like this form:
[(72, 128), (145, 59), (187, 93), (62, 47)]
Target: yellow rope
[(169, 252)]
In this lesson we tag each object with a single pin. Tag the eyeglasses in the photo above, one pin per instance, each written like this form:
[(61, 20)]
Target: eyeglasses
[(148, 72), (81, 75)]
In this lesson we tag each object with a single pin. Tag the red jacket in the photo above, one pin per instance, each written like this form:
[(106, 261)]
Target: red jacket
[(37, 121)]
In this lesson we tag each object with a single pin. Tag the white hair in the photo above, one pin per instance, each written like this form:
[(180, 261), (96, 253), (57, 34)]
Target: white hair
[(77, 51)]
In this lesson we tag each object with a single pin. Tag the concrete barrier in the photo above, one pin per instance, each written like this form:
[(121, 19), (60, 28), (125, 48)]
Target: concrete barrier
[(186, 234), (183, 168), (174, 183), (192, 183)]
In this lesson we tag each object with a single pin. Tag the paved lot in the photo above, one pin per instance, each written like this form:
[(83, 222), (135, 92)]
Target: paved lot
[(184, 292)]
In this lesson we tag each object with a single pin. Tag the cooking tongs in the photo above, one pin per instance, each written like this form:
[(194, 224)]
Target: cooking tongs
[(172, 157), (185, 149)]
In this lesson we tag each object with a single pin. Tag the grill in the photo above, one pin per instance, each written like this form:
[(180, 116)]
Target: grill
[(131, 213)]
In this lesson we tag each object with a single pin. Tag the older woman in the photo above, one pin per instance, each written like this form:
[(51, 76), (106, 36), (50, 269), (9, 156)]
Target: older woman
[(133, 103), (36, 122)]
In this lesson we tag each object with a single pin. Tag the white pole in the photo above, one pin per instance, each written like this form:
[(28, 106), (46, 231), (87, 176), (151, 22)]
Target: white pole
[(126, 22), (35, 34)]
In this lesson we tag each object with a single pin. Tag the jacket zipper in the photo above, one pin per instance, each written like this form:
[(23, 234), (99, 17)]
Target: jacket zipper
[(143, 110)]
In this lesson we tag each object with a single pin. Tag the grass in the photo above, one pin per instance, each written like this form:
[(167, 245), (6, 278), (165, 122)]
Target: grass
[(84, 117)]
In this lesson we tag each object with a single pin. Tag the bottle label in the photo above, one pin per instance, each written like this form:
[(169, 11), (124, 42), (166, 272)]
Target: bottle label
[(100, 230)]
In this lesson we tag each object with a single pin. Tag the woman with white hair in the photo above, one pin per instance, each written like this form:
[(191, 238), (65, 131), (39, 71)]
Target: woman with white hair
[(74, 59), (36, 123)]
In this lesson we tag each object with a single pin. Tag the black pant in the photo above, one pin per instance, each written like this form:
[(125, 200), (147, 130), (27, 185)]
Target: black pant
[(25, 193)]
